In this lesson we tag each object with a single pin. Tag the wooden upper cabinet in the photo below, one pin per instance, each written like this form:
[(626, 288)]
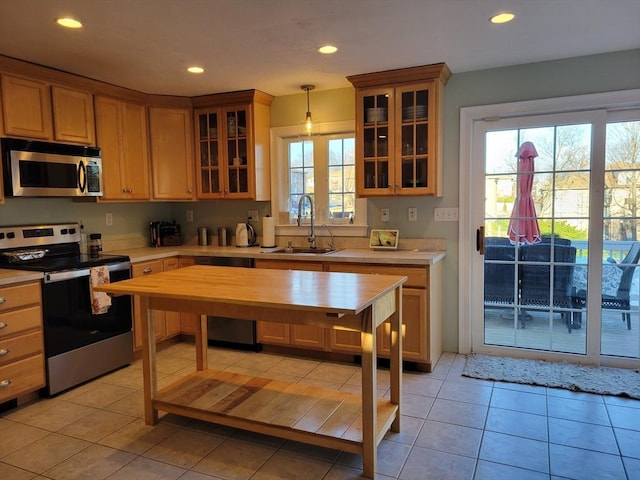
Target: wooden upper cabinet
[(171, 136), (26, 108), (232, 145), (121, 130), (73, 116), (399, 131)]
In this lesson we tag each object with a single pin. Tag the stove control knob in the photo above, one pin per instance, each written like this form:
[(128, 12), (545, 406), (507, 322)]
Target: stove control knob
[(1, 235), (11, 235)]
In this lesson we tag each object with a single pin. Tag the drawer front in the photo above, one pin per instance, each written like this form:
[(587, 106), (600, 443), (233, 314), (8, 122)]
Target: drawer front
[(416, 277), (21, 377), (19, 347), (16, 296), (18, 321), (146, 268), (286, 265)]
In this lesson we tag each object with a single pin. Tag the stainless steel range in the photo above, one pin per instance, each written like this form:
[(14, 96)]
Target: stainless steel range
[(78, 344)]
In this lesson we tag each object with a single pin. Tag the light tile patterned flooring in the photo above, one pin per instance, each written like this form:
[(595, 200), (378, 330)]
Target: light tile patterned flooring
[(453, 428)]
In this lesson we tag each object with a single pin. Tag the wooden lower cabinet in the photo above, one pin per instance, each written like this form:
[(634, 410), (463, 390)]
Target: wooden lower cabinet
[(167, 324), (301, 336), (21, 340), (421, 314)]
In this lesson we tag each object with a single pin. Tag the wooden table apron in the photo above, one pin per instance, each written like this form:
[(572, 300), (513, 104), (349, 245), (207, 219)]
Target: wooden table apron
[(327, 299)]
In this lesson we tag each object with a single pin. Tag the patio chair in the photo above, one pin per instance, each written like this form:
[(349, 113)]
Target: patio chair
[(621, 300), (535, 278), (499, 289)]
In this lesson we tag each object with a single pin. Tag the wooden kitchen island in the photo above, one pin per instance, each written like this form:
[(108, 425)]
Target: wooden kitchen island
[(345, 421)]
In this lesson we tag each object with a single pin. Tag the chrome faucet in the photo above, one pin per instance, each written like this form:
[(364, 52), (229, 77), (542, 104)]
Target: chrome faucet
[(312, 231)]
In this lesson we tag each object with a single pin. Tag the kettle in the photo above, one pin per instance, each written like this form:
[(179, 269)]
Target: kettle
[(245, 235)]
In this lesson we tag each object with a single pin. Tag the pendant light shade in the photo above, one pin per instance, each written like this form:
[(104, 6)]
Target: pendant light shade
[(308, 123)]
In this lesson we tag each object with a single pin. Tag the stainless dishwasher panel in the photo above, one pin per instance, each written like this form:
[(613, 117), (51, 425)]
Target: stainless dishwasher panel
[(230, 332)]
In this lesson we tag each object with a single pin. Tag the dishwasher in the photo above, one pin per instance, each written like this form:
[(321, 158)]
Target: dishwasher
[(230, 332)]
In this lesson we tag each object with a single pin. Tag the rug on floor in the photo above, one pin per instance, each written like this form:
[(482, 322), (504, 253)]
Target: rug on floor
[(579, 378)]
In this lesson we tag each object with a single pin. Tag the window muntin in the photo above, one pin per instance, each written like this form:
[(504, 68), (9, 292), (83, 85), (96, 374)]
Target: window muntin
[(322, 166)]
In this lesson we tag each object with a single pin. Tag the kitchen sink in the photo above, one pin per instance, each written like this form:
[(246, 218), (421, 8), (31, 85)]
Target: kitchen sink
[(305, 250)]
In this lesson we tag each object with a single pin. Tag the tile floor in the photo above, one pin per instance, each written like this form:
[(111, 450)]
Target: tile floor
[(453, 428)]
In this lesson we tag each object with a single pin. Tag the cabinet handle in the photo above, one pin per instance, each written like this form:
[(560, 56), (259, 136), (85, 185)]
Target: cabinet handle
[(3, 325), (2, 300), (5, 383), (3, 352), (147, 271)]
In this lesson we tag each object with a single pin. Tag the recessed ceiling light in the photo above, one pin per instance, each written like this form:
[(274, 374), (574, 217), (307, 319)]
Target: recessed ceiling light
[(195, 69), (503, 17), (69, 22), (328, 49)]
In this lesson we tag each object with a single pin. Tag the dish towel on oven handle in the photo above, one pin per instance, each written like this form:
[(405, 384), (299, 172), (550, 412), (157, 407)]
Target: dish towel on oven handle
[(100, 301)]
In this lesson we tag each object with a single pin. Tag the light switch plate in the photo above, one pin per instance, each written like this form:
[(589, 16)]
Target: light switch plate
[(253, 215), (189, 215), (412, 214), (445, 214), (384, 215)]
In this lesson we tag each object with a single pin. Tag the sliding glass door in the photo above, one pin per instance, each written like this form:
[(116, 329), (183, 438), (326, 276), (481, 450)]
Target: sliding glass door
[(558, 234)]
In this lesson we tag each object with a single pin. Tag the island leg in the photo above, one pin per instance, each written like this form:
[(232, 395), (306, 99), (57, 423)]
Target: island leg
[(395, 367), (201, 343), (149, 373), (369, 395)]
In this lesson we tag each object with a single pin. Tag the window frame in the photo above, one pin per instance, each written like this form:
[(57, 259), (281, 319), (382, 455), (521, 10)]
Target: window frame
[(279, 182)]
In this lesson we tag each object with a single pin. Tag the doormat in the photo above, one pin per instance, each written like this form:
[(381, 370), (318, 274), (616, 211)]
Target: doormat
[(570, 376)]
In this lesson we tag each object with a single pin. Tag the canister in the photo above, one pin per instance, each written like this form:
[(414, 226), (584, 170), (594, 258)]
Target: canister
[(223, 233), (203, 236)]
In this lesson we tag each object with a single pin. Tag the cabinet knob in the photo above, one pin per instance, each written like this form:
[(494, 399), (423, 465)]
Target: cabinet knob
[(3, 351), (2, 300), (3, 325), (5, 383), (147, 271)]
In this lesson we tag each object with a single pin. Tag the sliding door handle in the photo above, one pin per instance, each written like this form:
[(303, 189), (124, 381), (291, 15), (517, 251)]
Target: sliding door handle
[(480, 240)]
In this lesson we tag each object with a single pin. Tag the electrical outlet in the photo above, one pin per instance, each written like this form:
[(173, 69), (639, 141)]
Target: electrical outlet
[(253, 215), (108, 219), (384, 215), (445, 214), (412, 214), (189, 215)]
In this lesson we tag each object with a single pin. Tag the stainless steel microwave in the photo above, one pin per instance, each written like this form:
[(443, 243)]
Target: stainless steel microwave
[(42, 169)]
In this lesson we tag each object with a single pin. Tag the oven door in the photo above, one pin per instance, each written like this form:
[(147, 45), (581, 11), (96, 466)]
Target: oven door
[(66, 310)]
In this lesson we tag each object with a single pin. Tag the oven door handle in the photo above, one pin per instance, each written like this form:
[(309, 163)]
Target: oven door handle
[(83, 272)]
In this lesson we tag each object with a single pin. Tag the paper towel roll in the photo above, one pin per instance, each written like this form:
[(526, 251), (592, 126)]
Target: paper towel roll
[(268, 232)]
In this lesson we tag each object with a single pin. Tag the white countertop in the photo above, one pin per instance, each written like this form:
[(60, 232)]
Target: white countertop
[(354, 255), (348, 255), (8, 277)]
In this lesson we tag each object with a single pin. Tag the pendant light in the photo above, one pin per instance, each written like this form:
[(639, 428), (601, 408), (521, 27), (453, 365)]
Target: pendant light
[(308, 123)]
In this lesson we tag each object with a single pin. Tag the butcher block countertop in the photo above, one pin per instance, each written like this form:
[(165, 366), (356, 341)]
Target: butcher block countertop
[(327, 418), (348, 255)]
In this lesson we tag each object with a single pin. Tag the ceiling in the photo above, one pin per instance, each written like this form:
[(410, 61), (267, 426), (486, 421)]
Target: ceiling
[(271, 44)]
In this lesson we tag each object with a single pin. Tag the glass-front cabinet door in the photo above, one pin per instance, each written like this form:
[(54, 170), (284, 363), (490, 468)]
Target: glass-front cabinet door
[(415, 172), (375, 108), (238, 162), (210, 178)]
